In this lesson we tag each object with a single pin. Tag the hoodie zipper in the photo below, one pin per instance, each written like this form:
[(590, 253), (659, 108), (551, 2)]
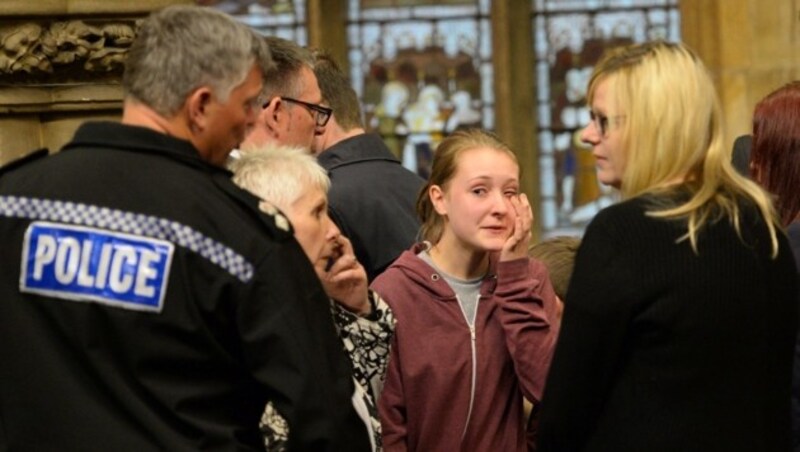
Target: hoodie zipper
[(471, 326)]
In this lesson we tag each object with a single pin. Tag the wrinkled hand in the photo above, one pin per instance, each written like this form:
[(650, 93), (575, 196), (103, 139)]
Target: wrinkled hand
[(346, 280), (516, 245)]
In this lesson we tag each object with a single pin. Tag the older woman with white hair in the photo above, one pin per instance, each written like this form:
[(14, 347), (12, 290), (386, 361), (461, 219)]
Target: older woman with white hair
[(290, 180)]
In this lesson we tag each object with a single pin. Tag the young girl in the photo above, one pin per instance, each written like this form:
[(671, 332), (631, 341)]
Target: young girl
[(475, 316)]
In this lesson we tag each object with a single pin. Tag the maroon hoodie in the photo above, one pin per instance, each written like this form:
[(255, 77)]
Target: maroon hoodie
[(448, 387)]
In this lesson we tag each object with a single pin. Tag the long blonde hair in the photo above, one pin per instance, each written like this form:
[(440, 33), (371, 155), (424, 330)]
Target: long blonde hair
[(673, 133)]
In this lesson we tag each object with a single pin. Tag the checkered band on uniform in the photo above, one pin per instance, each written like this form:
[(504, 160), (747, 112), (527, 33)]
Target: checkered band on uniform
[(130, 223)]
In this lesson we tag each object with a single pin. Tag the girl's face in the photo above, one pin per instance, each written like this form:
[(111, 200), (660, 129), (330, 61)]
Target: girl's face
[(476, 201), (604, 134)]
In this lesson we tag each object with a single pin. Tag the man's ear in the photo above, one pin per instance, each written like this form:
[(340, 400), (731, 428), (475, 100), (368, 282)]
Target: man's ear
[(273, 113), (436, 194), (197, 105)]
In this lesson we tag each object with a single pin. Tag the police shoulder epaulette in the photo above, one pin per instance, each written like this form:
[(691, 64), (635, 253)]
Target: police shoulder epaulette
[(275, 218), (268, 215), (24, 160)]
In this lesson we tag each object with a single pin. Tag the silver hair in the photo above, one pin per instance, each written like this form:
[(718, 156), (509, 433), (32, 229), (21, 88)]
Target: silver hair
[(279, 174), (182, 48), (284, 78)]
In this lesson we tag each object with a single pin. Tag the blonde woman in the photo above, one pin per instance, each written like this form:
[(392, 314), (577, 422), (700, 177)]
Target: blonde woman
[(681, 314)]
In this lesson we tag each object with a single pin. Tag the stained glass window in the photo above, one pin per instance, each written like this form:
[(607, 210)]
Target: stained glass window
[(282, 18), (569, 38), (422, 69)]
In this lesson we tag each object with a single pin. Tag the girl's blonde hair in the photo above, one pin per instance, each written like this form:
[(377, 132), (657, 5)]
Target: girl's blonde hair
[(445, 163), (672, 133)]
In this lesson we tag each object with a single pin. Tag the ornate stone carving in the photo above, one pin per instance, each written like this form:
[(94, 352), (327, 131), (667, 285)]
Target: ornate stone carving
[(42, 49)]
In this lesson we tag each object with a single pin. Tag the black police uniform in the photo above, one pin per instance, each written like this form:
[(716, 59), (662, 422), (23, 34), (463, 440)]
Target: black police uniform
[(146, 304)]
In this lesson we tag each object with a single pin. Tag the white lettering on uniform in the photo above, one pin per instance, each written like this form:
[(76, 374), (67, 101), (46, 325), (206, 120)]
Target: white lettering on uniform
[(102, 266), (67, 259), (119, 280), (87, 264), (85, 279), (146, 272), (45, 253), (119, 265)]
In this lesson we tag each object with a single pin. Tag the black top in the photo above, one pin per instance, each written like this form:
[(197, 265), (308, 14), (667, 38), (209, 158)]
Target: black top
[(741, 154), (146, 304), (793, 232), (372, 200), (662, 349)]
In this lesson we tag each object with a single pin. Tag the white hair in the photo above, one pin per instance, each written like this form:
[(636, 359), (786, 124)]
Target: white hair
[(279, 174)]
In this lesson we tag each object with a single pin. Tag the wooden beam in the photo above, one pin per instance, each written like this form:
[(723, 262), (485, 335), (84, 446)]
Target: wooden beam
[(514, 87), (327, 28)]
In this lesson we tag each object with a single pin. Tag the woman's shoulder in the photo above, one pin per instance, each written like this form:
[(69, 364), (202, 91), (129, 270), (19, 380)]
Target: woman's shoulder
[(627, 229), (622, 215), (635, 207)]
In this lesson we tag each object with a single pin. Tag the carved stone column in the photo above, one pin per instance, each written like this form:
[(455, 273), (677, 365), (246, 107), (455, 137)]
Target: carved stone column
[(60, 64)]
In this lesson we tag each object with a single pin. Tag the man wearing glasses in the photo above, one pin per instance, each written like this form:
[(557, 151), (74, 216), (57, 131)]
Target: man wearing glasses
[(291, 114)]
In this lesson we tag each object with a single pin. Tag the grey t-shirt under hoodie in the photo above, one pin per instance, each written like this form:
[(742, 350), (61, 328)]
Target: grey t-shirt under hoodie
[(467, 291)]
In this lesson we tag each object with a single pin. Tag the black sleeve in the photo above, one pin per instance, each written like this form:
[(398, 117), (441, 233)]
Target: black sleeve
[(291, 345), (591, 340)]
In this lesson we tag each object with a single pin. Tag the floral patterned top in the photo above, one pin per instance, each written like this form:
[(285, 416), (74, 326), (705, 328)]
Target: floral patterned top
[(366, 341)]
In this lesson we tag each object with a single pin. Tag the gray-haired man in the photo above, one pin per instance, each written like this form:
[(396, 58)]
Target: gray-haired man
[(145, 302)]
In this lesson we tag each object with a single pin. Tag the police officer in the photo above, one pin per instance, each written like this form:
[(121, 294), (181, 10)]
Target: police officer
[(145, 302)]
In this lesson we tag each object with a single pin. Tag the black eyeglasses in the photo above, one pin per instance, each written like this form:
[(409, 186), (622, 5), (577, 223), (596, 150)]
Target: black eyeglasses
[(601, 121), (322, 114)]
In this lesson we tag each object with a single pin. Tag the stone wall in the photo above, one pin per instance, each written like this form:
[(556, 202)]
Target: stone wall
[(751, 48), (60, 60), (61, 64)]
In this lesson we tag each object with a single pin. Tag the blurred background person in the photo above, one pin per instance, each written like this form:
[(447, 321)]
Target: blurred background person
[(372, 195), (741, 154), (558, 255), (775, 164)]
